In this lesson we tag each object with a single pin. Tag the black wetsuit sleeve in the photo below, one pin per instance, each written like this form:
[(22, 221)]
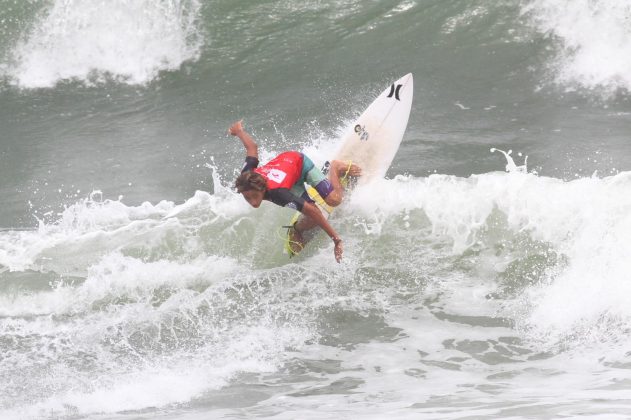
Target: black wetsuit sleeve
[(285, 198), (250, 163)]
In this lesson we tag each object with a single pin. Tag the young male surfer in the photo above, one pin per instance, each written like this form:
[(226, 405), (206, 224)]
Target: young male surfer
[(282, 180)]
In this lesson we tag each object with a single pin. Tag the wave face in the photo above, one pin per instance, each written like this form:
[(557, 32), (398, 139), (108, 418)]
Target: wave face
[(136, 284), (510, 277)]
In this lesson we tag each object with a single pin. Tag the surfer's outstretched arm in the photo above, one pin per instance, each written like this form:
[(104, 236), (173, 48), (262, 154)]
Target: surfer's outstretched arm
[(251, 148), (312, 212)]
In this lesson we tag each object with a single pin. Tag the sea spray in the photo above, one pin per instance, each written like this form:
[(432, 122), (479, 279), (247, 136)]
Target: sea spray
[(583, 222), (91, 41), (510, 163), (593, 42)]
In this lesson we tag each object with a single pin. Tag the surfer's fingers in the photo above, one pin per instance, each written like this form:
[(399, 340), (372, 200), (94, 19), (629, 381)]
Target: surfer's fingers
[(338, 251), (236, 127)]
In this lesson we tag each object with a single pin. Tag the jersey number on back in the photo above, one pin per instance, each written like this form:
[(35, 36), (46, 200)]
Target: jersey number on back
[(276, 175)]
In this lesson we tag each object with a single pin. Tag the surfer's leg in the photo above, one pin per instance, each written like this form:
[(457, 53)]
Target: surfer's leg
[(338, 170), (316, 179), (331, 190)]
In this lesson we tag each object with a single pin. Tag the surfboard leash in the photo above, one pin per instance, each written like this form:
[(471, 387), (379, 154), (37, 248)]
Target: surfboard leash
[(344, 180), (288, 242)]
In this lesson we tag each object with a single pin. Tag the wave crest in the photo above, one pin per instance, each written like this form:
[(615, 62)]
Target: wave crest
[(594, 42), (92, 41)]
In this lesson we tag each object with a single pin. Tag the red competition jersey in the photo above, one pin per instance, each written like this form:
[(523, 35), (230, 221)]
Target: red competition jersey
[(283, 171)]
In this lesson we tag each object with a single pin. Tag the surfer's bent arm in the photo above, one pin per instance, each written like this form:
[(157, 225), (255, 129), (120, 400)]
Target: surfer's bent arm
[(251, 148), (285, 198)]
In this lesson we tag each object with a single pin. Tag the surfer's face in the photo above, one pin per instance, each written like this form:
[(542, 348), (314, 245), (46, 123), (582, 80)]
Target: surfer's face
[(253, 197)]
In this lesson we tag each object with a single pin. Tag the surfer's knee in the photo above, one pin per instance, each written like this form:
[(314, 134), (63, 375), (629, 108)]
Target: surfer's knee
[(334, 199), (331, 195), (324, 188)]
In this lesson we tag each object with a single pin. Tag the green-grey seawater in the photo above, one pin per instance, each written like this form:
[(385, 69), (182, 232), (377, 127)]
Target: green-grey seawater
[(135, 283)]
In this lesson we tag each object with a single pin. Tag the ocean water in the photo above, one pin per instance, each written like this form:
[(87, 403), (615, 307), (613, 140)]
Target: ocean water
[(486, 277)]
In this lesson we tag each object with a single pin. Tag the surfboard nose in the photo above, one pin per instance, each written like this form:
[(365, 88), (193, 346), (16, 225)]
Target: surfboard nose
[(407, 78), (404, 84)]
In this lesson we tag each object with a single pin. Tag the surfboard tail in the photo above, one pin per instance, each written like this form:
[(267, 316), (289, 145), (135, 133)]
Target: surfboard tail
[(291, 246)]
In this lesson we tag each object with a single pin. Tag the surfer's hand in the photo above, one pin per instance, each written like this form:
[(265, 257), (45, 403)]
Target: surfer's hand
[(236, 128), (338, 251)]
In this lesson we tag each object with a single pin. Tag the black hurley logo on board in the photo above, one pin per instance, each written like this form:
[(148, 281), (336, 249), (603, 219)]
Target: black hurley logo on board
[(395, 91)]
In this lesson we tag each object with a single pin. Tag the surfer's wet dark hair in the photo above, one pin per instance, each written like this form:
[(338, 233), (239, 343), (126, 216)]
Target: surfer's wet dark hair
[(250, 180)]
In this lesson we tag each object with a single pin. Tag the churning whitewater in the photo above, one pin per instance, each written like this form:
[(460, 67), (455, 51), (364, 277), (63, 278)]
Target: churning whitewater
[(487, 276)]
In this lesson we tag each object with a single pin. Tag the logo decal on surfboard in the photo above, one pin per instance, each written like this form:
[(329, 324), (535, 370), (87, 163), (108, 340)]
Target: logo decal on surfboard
[(395, 91), (361, 132)]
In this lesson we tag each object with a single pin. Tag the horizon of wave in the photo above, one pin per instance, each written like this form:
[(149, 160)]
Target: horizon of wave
[(93, 41), (594, 43)]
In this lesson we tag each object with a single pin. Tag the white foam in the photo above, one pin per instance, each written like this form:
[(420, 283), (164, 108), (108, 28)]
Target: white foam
[(91, 40), (115, 276), (194, 340), (91, 228), (594, 38), (587, 220), (174, 379), (261, 312)]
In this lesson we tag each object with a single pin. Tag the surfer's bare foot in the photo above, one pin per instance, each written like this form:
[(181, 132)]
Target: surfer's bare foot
[(296, 241)]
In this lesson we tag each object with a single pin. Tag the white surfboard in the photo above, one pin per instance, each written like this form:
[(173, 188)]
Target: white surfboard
[(371, 142)]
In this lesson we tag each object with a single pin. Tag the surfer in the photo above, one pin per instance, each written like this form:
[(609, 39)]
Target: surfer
[(281, 181)]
